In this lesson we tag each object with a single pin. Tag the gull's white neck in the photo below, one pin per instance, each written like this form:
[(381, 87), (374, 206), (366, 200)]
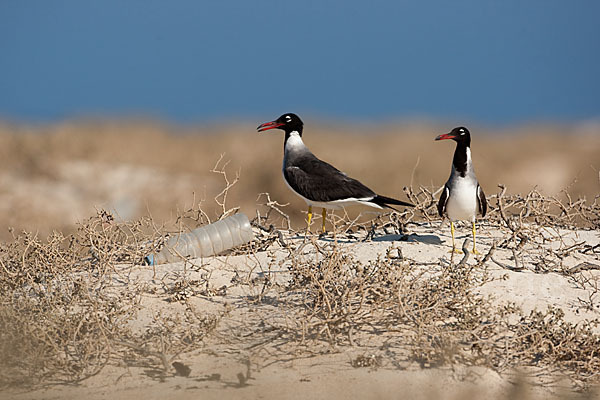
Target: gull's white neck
[(294, 142), (469, 161)]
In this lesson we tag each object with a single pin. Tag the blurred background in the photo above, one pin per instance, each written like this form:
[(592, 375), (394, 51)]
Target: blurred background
[(128, 105)]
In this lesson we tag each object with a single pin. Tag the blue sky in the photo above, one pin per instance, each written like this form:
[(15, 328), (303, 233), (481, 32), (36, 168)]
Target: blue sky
[(186, 61)]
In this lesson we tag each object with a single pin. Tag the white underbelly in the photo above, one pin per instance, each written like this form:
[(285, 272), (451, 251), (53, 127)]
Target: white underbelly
[(462, 203), (338, 204)]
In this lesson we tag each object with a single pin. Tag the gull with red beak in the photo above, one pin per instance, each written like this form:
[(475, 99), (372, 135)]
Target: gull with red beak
[(318, 183), (462, 196)]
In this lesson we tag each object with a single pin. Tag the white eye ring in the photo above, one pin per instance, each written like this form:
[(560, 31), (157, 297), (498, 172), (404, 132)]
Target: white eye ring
[(288, 118)]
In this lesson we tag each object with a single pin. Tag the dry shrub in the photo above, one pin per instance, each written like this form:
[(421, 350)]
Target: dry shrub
[(432, 313), (57, 318), (532, 220), (513, 211), (66, 305)]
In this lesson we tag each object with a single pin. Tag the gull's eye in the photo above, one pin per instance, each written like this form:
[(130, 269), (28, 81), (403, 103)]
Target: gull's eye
[(288, 118)]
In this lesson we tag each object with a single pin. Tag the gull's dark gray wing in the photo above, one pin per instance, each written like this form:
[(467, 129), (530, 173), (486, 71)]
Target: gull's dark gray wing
[(441, 206), (481, 201), (320, 181)]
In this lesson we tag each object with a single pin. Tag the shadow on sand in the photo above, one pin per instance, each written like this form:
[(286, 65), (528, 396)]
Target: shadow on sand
[(427, 239)]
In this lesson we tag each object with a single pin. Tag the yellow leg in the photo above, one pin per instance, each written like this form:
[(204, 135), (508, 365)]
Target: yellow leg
[(454, 249), (324, 218), (474, 251), (309, 217)]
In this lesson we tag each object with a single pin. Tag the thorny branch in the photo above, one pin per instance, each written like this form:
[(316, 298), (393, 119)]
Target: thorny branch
[(221, 198)]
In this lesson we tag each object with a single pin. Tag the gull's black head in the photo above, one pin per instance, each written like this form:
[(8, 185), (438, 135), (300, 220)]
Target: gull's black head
[(460, 135), (288, 122)]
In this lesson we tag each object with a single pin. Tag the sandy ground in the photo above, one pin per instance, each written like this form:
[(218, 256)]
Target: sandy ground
[(251, 367)]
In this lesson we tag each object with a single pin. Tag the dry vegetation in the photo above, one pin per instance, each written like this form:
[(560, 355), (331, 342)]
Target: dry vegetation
[(69, 303), (431, 313)]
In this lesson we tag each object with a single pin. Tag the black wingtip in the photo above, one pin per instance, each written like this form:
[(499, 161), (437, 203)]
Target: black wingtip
[(384, 201)]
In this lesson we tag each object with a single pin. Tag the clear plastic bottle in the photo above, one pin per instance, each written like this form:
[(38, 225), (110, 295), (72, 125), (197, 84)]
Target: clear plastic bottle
[(206, 241)]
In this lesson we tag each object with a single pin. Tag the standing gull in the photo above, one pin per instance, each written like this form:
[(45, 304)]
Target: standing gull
[(462, 196), (318, 183)]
